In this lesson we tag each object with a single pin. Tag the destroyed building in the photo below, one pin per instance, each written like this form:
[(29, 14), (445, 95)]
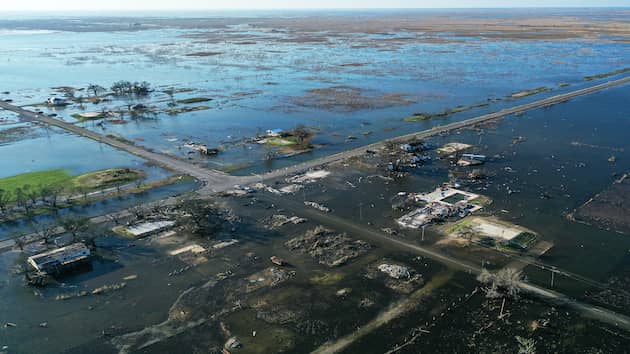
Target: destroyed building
[(57, 260)]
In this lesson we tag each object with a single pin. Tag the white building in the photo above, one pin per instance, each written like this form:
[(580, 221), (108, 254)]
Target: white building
[(56, 101)]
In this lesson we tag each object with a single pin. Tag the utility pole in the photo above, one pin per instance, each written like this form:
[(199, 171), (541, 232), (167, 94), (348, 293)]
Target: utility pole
[(423, 227), (553, 272)]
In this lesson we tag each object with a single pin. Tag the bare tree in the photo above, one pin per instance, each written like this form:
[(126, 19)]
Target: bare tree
[(96, 89), (526, 345), (507, 281), (19, 243), (201, 218), (171, 97), (76, 226), (44, 231)]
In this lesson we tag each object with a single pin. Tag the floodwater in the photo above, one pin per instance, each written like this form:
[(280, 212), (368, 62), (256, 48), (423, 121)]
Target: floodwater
[(256, 77), (260, 79), (534, 183)]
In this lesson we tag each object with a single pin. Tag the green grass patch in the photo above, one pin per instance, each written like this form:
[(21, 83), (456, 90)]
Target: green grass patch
[(121, 230), (605, 75), (459, 225), (481, 200), (424, 116), (287, 141), (530, 92), (61, 179), (235, 167), (34, 181), (418, 117), (120, 139), (174, 111), (107, 178), (522, 241)]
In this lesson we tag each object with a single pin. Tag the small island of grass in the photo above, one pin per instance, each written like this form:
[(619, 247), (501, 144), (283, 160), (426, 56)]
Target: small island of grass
[(194, 100), (42, 184), (608, 74), (531, 92), (425, 116)]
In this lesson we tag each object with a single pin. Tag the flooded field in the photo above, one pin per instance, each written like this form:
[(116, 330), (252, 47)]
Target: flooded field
[(504, 236), (250, 75)]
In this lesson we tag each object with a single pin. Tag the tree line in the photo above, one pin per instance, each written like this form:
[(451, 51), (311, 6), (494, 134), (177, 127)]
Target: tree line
[(27, 198), (122, 88)]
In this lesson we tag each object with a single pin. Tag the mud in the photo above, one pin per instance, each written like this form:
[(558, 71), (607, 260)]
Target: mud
[(610, 209)]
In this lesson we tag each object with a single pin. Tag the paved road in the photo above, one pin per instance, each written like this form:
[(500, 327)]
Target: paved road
[(213, 180), (379, 237), (216, 181), (445, 128)]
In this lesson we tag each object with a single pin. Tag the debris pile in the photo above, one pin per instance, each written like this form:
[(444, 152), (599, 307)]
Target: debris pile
[(439, 205), (395, 271), (317, 206), (399, 278), (280, 220), (278, 315), (328, 247), (309, 177), (269, 277)]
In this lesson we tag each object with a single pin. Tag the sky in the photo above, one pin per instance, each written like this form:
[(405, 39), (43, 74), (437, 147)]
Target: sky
[(126, 5)]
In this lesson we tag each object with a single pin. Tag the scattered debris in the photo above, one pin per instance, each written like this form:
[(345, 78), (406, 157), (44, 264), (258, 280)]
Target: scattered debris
[(309, 177), (194, 248), (201, 148), (317, 206), (395, 271), (441, 204), (452, 148), (471, 160), (107, 288), (277, 261), (343, 292), (269, 277), (328, 247), (280, 220), (223, 244), (232, 343)]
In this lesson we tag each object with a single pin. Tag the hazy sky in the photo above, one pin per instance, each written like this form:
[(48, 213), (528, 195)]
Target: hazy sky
[(63, 5)]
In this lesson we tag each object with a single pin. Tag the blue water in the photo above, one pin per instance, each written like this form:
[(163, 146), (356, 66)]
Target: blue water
[(460, 71)]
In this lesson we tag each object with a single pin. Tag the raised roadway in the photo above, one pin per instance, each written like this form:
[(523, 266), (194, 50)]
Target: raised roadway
[(216, 181)]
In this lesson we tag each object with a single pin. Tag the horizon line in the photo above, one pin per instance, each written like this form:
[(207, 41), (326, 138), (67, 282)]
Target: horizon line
[(322, 8)]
